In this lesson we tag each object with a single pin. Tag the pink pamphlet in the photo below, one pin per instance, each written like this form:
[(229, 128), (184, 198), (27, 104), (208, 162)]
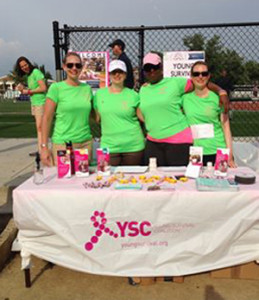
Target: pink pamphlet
[(103, 161), (64, 163), (221, 163), (81, 162)]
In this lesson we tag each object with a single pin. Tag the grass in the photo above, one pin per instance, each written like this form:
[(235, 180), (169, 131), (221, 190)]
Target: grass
[(16, 122), (245, 123), (19, 106)]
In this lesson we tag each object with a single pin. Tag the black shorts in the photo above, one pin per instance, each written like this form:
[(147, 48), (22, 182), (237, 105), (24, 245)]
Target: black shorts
[(127, 159), (167, 154), (209, 158)]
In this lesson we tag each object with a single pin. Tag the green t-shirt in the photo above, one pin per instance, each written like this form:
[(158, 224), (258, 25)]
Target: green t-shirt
[(72, 112), (205, 111), (161, 105), (121, 131), (32, 81)]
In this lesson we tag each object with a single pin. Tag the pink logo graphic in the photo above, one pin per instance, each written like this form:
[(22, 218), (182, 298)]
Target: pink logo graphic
[(131, 229), (99, 222)]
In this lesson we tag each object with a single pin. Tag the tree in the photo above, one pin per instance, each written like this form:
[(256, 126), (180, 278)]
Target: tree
[(252, 71), (15, 77), (47, 74), (195, 42), (221, 58)]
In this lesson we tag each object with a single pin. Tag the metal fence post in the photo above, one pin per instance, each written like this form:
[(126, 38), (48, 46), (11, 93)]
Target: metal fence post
[(66, 39), (141, 53), (57, 50)]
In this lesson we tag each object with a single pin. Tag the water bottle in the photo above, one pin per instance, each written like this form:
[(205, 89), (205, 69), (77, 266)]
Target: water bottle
[(152, 164)]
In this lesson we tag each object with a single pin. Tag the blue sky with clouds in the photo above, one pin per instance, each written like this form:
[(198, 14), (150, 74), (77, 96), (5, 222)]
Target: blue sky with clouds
[(26, 25)]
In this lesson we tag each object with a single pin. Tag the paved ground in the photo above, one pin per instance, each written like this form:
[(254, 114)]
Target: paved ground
[(15, 166), (60, 283), (14, 159)]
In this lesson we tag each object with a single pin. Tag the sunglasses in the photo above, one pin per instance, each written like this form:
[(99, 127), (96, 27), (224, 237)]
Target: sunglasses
[(71, 65), (203, 74), (150, 67)]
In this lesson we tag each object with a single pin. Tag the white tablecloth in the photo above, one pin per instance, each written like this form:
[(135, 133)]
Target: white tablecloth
[(137, 233)]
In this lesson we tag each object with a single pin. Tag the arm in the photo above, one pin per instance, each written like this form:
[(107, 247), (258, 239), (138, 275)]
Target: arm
[(189, 86), (20, 87), (39, 90), (228, 138), (97, 117), (223, 96), (94, 112), (47, 119), (140, 115)]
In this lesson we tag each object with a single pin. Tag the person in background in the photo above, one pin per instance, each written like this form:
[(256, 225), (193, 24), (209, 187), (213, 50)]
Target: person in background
[(255, 89), (225, 81), (36, 90), (210, 126), (169, 136), (71, 102), (118, 47), (116, 108)]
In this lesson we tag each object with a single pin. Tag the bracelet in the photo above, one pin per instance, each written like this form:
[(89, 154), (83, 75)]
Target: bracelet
[(29, 92), (223, 93), (44, 146)]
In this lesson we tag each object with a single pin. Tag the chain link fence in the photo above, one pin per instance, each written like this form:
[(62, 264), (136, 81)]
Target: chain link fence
[(232, 52)]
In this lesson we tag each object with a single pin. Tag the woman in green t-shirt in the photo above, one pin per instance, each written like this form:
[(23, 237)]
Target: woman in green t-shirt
[(36, 90), (209, 125), (116, 107), (71, 103)]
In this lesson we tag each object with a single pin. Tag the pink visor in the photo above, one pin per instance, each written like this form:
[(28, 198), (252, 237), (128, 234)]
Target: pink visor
[(152, 58)]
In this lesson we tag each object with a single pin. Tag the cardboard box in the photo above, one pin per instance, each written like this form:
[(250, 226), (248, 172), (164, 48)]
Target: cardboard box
[(244, 271)]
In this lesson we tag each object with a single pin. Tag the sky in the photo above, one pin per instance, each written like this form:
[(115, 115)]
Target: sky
[(26, 25)]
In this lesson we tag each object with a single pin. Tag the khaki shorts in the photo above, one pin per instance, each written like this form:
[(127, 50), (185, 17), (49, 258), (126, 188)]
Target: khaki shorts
[(37, 110), (84, 145)]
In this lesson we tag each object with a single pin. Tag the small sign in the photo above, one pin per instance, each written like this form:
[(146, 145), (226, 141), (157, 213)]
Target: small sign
[(95, 68), (179, 63)]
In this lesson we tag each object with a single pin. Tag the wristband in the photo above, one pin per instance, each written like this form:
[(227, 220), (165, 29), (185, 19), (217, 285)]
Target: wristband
[(29, 92)]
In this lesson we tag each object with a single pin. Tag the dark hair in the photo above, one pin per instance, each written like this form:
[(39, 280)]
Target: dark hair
[(18, 69), (200, 62), (119, 43), (71, 54)]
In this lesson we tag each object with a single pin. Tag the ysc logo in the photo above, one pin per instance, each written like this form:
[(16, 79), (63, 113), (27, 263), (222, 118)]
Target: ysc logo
[(131, 229)]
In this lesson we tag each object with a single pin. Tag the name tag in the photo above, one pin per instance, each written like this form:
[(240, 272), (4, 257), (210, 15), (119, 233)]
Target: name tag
[(202, 131)]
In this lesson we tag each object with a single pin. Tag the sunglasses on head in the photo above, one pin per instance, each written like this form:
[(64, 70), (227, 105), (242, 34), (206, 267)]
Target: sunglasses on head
[(150, 67), (71, 65), (203, 74)]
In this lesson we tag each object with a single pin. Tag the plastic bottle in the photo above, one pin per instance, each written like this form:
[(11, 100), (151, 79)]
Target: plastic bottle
[(69, 146), (210, 169), (38, 176), (152, 164)]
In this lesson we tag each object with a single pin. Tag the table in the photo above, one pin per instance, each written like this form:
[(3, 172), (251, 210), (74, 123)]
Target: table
[(137, 233)]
